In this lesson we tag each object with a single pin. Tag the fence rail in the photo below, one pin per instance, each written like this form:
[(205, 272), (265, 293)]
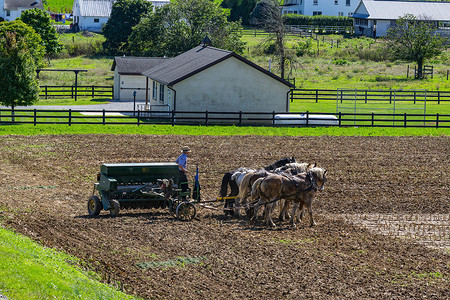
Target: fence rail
[(55, 91), (103, 117), (316, 95)]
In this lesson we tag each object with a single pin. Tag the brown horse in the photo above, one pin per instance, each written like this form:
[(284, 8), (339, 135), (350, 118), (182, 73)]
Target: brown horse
[(299, 189), (245, 187)]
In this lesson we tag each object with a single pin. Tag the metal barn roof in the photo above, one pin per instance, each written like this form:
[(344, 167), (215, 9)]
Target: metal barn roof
[(392, 10), (130, 65), (15, 4), (96, 8), (194, 61)]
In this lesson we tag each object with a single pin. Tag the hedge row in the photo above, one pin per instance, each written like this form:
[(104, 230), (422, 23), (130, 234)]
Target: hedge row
[(293, 19)]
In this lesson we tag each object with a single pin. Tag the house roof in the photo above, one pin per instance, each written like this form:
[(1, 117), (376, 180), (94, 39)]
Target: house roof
[(194, 61), (14, 4), (95, 8), (392, 10), (130, 65)]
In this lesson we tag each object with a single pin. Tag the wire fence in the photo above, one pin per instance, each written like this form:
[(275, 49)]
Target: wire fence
[(305, 119)]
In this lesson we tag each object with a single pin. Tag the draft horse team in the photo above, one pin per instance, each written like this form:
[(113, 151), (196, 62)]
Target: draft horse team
[(284, 183)]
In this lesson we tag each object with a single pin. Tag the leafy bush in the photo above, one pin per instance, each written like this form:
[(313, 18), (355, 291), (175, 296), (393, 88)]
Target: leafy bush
[(294, 19), (303, 47), (340, 62)]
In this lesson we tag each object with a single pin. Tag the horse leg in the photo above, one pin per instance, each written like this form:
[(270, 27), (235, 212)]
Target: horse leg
[(255, 212), (268, 217), (313, 223), (236, 208), (293, 215)]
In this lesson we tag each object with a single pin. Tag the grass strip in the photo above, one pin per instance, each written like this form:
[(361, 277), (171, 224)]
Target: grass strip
[(50, 129), (30, 271)]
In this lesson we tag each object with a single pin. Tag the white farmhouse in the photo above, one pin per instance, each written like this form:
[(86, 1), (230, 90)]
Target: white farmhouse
[(12, 9), (215, 80), (91, 15), (128, 76), (340, 8), (374, 18)]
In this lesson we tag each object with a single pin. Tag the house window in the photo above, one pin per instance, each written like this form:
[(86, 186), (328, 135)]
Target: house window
[(96, 20), (350, 14), (315, 2), (336, 2), (155, 90), (347, 2), (161, 93), (340, 14), (317, 13), (8, 13)]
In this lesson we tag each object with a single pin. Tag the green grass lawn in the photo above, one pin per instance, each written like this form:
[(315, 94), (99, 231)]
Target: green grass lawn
[(30, 271), (59, 6)]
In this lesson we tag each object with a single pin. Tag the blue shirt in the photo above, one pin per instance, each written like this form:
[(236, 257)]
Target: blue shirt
[(181, 160)]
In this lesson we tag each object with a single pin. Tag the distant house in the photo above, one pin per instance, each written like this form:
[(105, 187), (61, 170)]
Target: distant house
[(12, 9), (340, 8), (91, 15), (211, 79), (128, 76), (374, 18)]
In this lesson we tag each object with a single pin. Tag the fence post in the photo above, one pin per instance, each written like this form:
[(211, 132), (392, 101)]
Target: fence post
[(104, 117), (292, 95), (46, 95), (206, 118), (317, 96), (366, 98), (390, 96), (70, 117), (307, 118), (414, 97), (35, 117), (273, 117), (93, 91), (139, 117), (439, 97), (340, 122), (173, 118), (240, 118), (372, 119), (404, 125), (437, 120)]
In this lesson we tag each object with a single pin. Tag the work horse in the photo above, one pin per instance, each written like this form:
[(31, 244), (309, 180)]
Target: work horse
[(299, 189), (249, 179), (234, 178)]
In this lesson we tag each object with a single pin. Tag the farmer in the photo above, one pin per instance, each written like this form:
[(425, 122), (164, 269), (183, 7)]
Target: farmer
[(182, 170)]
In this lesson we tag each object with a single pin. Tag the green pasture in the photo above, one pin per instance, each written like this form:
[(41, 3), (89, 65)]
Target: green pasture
[(59, 6), (151, 129), (31, 271)]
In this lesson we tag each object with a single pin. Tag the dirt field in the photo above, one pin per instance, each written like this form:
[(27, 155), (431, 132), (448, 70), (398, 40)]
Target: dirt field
[(383, 228)]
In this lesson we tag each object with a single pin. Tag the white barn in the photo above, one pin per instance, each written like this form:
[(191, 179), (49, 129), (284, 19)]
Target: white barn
[(12, 9), (92, 15), (211, 79), (340, 8), (374, 18), (128, 76)]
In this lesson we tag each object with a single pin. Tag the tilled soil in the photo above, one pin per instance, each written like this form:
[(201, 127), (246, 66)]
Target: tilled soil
[(46, 181)]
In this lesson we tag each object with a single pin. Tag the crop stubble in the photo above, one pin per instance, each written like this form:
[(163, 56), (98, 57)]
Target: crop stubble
[(373, 183)]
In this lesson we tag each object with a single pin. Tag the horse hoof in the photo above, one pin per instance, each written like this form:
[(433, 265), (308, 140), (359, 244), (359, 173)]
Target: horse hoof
[(313, 224)]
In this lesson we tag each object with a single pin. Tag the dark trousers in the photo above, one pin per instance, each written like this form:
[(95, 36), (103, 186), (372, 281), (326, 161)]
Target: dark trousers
[(182, 178)]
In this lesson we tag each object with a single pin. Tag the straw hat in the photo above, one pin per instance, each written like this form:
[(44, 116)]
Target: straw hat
[(186, 149)]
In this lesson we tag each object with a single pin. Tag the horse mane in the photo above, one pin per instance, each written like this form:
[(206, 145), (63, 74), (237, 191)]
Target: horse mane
[(280, 163)]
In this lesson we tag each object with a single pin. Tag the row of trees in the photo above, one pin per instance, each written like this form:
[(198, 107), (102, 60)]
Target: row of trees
[(23, 45), (136, 28)]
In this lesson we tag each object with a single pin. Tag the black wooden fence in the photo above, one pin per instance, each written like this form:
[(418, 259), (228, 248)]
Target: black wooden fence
[(54, 91), (366, 95), (306, 119)]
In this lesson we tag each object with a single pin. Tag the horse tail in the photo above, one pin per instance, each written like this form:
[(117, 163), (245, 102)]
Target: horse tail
[(256, 189), (224, 187)]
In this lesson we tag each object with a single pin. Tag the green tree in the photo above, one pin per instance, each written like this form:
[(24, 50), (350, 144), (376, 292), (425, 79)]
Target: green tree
[(239, 9), (31, 39), (39, 20), (125, 14), (267, 15), (182, 25), (414, 40), (18, 83)]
